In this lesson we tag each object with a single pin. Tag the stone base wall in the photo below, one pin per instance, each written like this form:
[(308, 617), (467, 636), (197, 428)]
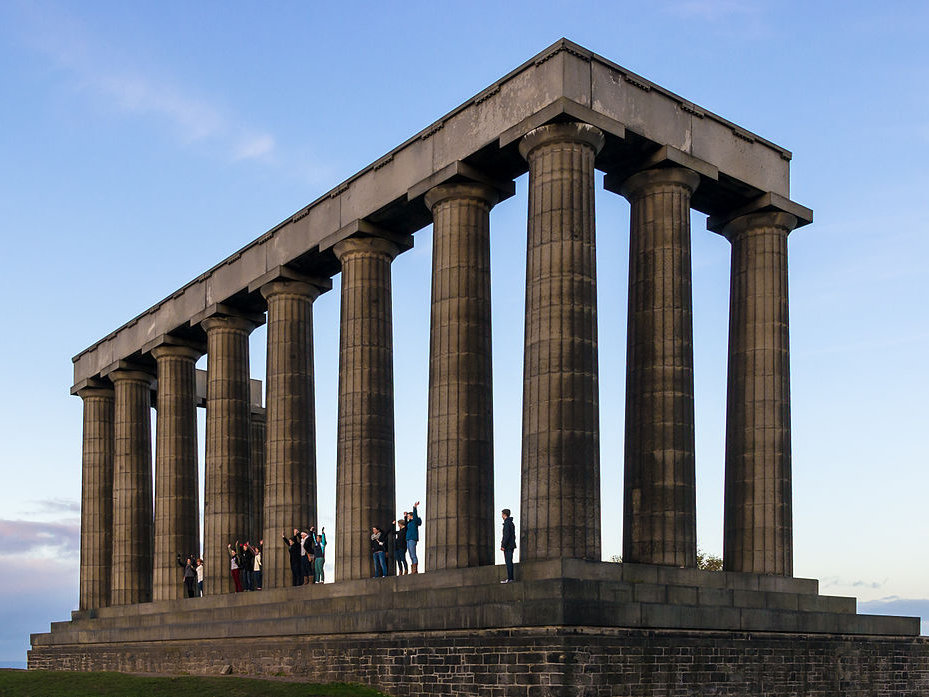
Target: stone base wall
[(549, 661)]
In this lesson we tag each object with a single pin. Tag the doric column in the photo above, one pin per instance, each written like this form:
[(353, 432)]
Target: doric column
[(659, 514), (257, 439), (290, 476), (365, 478), (226, 508), (758, 527), (177, 495), (96, 496), (131, 580), (561, 451), (459, 457)]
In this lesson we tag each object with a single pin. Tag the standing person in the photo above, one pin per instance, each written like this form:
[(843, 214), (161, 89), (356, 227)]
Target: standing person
[(508, 543), (256, 565), (319, 558), (234, 566), (246, 563), (399, 545), (379, 551), (413, 521), (296, 566), (200, 577), (190, 575), (306, 557)]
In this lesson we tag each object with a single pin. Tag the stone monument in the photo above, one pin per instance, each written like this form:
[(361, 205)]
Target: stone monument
[(572, 625)]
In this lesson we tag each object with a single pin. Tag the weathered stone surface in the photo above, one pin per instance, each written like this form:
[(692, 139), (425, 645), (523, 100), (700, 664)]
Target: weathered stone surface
[(547, 662), (612, 631), (659, 513), (227, 490), (459, 455), (257, 441), (131, 580), (561, 450), (562, 79), (365, 477), (758, 519), (177, 495), (290, 476), (96, 496)]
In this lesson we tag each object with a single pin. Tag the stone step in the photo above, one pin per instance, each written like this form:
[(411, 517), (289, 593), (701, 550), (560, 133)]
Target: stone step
[(400, 593), (514, 611), (528, 603)]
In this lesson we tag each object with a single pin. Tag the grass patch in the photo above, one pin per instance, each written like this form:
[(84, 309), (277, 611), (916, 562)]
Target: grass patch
[(42, 683)]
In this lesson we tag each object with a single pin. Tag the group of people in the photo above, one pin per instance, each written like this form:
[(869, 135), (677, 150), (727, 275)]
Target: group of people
[(193, 575), (401, 539), (245, 565), (307, 551), (307, 555)]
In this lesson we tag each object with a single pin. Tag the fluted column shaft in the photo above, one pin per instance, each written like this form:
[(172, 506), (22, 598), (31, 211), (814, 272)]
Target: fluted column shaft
[(96, 497), (365, 477), (177, 496), (459, 456), (659, 515), (560, 502), (758, 524), (131, 580), (257, 462), (290, 477), (226, 509)]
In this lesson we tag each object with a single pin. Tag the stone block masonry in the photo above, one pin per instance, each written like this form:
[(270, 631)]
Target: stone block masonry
[(546, 662)]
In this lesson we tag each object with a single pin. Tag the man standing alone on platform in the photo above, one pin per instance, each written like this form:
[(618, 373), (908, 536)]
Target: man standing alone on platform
[(508, 544), (413, 521)]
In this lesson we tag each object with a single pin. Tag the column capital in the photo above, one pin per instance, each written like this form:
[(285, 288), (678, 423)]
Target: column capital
[(571, 131), (462, 190), (365, 245), (228, 316), (776, 220), (93, 387), (167, 345), (132, 375), (285, 273), (640, 182), (769, 202), (290, 287)]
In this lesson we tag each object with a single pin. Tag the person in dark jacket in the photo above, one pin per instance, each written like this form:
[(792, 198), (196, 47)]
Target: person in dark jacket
[(398, 535), (413, 521), (296, 563), (246, 565), (508, 543), (190, 575), (379, 551)]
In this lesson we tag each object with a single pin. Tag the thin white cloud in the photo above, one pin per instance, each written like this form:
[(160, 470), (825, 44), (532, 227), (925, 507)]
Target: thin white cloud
[(101, 71), (29, 538)]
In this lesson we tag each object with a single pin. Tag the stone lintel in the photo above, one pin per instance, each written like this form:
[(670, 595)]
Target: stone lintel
[(254, 389), (769, 201), (558, 110), (563, 82), (457, 172), (665, 156), (257, 318), (169, 340), (362, 228), (285, 273)]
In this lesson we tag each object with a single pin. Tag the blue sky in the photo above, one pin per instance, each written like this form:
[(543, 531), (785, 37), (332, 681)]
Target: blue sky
[(141, 144)]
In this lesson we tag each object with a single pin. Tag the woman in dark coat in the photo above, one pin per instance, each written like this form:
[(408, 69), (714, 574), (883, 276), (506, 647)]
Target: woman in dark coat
[(296, 564)]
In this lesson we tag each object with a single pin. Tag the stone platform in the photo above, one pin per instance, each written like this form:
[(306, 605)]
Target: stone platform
[(567, 627)]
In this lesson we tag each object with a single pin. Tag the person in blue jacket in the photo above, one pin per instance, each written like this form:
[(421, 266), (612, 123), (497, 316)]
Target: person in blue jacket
[(413, 521)]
